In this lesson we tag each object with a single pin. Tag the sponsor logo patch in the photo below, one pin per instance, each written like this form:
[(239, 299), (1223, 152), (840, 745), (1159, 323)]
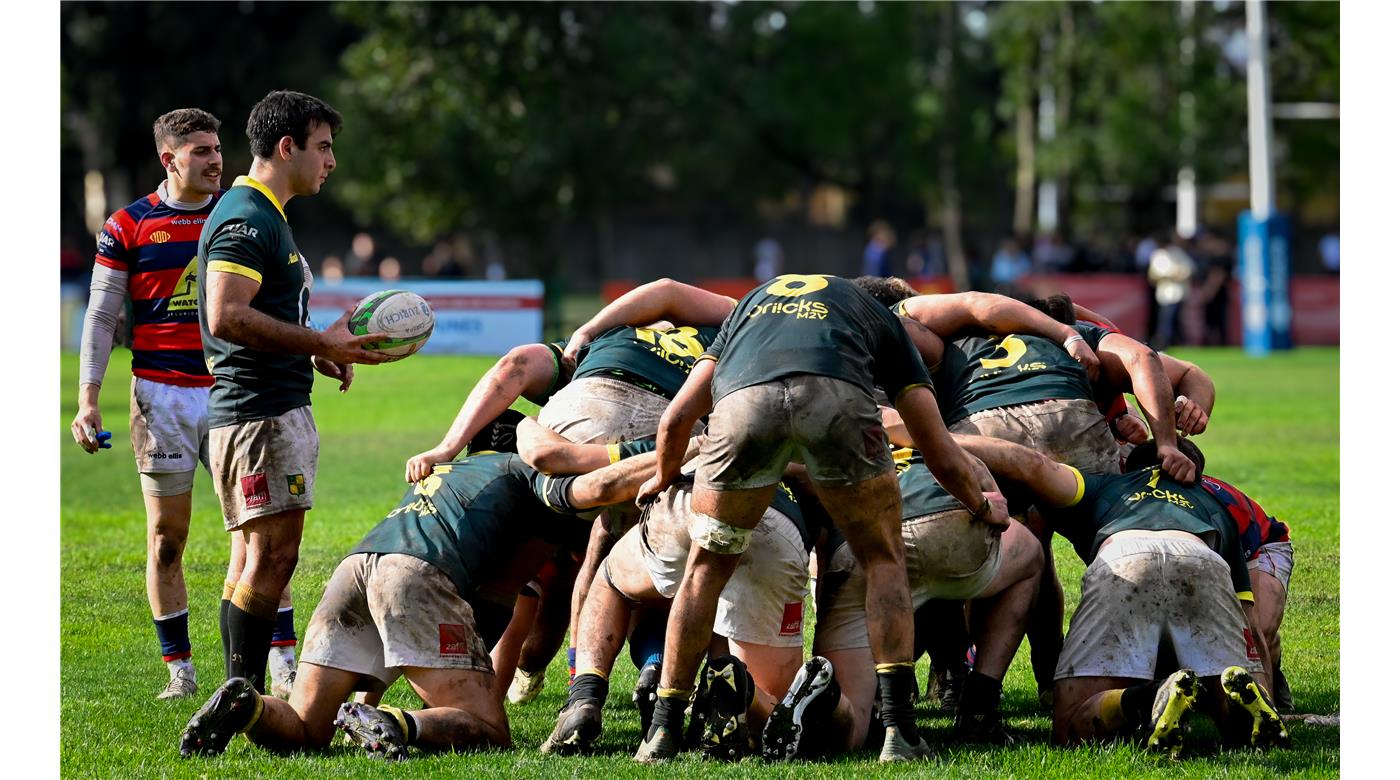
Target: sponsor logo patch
[(452, 639), (293, 257), (255, 492), (792, 619), (185, 297), (1250, 650), (296, 484), (160, 237)]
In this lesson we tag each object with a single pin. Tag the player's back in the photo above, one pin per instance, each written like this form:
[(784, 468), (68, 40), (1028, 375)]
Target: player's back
[(654, 359), (817, 325)]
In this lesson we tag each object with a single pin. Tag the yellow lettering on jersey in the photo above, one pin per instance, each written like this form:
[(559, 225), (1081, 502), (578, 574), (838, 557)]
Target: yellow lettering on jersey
[(1015, 349), (793, 285), (186, 294), (1156, 475)]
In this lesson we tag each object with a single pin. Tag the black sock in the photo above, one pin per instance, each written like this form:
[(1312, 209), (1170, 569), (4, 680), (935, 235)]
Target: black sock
[(224, 604), (897, 686), (669, 712), (412, 735), (981, 695), (250, 637), (588, 686), (1137, 703)]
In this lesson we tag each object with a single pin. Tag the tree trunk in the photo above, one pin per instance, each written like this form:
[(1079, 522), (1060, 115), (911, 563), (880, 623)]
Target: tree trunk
[(949, 216), (1023, 219), (1064, 88)]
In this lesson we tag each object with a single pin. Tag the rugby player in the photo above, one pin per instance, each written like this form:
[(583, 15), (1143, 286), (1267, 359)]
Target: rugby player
[(613, 389), (1166, 565), (948, 555), (254, 287), (145, 254), (759, 616), (457, 549), (793, 370)]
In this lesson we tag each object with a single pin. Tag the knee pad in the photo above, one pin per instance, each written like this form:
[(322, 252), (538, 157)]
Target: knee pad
[(167, 484), (719, 538)]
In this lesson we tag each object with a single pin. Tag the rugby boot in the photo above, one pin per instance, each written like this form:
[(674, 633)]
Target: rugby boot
[(525, 686), (945, 689), (811, 699), (660, 745), (644, 695), (897, 748), (1283, 695), (1175, 697), (699, 710), (181, 685), (1266, 727), (373, 729), (233, 708), (725, 734), (579, 726)]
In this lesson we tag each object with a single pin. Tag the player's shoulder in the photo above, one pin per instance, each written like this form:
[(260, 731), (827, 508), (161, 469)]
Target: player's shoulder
[(127, 217)]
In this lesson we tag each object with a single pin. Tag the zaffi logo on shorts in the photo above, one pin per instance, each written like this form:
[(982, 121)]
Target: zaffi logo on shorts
[(452, 639), (1251, 651), (255, 492), (296, 484), (792, 619)]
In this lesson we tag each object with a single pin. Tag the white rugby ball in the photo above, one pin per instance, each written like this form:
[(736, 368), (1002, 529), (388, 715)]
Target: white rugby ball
[(404, 316)]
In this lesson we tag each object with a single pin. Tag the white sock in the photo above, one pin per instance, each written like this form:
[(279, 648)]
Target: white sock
[(181, 665), (283, 657)]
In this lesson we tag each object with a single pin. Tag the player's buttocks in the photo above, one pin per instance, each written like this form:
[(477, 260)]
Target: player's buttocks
[(265, 467)]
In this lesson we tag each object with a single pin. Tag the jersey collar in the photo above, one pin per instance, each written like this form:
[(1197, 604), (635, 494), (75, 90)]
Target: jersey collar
[(249, 181)]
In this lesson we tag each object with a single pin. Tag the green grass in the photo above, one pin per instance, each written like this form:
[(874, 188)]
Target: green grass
[(1274, 433)]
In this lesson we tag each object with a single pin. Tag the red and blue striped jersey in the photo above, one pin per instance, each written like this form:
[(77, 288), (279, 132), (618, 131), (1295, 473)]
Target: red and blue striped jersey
[(155, 244), (1256, 528)]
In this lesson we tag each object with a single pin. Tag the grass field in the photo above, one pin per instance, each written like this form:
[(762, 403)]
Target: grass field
[(1274, 433)]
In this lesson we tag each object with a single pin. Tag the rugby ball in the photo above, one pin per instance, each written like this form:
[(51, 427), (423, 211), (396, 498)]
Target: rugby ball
[(405, 316)]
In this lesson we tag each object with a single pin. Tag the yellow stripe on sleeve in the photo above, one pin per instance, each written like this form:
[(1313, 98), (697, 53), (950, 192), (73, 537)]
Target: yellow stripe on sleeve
[(707, 357), (1245, 595), (901, 393), (228, 267), (1078, 486), (614, 453)]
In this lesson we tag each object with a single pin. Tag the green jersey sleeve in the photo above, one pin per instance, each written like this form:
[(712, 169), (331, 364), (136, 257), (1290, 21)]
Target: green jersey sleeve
[(242, 247)]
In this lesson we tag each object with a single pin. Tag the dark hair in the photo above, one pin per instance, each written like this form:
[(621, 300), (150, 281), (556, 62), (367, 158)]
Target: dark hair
[(1145, 455), (173, 127), (888, 290), (498, 435), (1058, 306), (284, 113)]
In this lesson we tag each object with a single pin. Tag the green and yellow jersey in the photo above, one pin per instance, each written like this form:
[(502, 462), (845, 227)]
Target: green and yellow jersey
[(989, 372), (920, 493), (816, 325), (472, 519), (655, 360), (1148, 500), (247, 234)]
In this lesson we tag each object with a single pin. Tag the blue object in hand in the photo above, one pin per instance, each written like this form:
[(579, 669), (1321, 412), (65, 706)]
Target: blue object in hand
[(104, 440)]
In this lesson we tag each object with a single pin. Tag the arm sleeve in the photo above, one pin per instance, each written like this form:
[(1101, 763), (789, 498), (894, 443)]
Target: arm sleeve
[(239, 247), (1092, 334), (106, 296), (898, 364)]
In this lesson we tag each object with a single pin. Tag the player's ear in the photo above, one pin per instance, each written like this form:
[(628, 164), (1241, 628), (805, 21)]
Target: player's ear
[(284, 147), (167, 159)]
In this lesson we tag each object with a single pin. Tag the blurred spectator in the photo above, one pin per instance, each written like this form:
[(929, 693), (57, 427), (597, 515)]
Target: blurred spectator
[(1051, 254), (389, 270), (876, 259), (440, 262), (1219, 261), (767, 259), (1330, 250), (1170, 272), (1009, 265), (332, 270), (496, 270), (926, 258), (1142, 255), (360, 261)]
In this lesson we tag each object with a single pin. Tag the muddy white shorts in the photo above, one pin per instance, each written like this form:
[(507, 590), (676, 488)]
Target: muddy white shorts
[(1140, 592), (169, 426)]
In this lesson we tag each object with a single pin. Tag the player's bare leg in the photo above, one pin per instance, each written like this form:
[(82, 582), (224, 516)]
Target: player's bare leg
[(1090, 708), (1270, 598), (868, 514), (304, 722), (772, 669), (460, 711), (693, 612), (541, 645), (599, 543), (271, 545), (505, 656), (1046, 630), (851, 720), (167, 528)]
